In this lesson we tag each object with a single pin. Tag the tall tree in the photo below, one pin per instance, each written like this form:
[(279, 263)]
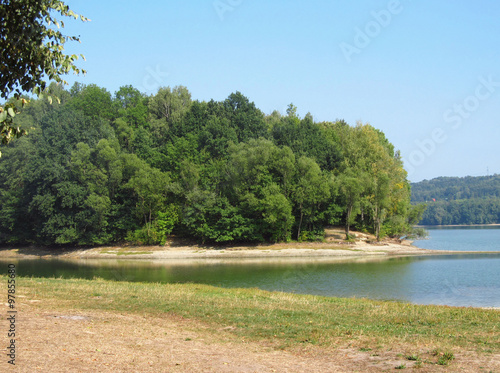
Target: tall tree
[(351, 185), (151, 187), (244, 116), (166, 108), (309, 191)]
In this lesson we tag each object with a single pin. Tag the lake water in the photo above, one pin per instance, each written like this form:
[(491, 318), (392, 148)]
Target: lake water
[(473, 238), (455, 280)]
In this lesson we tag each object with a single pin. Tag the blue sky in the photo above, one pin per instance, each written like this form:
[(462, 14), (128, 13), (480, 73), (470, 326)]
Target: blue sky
[(427, 73)]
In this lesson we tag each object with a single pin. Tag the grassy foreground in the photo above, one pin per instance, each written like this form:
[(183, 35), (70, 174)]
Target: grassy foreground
[(284, 320)]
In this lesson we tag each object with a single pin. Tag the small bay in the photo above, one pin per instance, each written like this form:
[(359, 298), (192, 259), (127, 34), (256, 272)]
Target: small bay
[(455, 280)]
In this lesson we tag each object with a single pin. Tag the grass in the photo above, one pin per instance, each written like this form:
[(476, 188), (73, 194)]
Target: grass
[(284, 320), (444, 358)]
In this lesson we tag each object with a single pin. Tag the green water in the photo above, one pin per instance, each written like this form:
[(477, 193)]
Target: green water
[(458, 280)]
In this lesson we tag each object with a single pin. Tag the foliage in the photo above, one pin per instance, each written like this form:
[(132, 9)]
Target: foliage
[(31, 48), (462, 212), (100, 168), (459, 201), (8, 131), (31, 52), (456, 188)]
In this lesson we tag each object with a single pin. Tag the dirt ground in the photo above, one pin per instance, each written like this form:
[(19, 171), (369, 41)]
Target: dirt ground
[(82, 341)]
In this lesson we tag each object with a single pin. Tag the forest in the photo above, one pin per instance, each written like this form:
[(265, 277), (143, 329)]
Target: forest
[(99, 168), (459, 201)]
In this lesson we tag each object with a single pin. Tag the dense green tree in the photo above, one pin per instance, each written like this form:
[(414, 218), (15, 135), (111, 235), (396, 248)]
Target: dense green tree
[(166, 109), (352, 184), (457, 201), (101, 168), (310, 190), (32, 45), (131, 107), (214, 219), (257, 179), (456, 188), (276, 212), (216, 136), (306, 138), (31, 52), (244, 117), (94, 102), (151, 187), (385, 191)]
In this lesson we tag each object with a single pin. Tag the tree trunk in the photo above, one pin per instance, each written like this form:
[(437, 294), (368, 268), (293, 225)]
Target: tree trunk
[(348, 220), (149, 223), (300, 223), (376, 220)]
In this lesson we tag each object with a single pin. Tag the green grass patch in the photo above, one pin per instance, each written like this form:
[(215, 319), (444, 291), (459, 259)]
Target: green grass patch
[(286, 320)]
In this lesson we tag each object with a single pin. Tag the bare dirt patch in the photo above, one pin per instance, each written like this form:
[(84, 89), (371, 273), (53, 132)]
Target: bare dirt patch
[(51, 340)]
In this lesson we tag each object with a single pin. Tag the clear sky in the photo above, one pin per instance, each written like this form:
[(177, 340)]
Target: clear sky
[(427, 73)]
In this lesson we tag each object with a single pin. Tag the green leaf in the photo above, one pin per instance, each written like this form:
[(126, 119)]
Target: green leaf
[(11, 112)]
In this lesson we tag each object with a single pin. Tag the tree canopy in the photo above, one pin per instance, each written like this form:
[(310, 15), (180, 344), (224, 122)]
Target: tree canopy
[(31, 53), (99, 168), (459, 201)]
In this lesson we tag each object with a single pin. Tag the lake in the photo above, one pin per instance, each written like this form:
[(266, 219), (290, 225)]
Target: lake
[(472, 238), (455, 280)]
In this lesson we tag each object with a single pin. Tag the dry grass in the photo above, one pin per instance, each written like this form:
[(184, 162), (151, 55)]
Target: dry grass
[(287, 319), (121, 326)]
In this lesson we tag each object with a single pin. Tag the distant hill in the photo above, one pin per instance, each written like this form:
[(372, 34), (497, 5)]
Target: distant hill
[(459, 200)]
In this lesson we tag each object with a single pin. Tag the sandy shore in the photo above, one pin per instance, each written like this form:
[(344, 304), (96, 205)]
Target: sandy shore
[(261, 251), (331, 248), (334, 246)]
